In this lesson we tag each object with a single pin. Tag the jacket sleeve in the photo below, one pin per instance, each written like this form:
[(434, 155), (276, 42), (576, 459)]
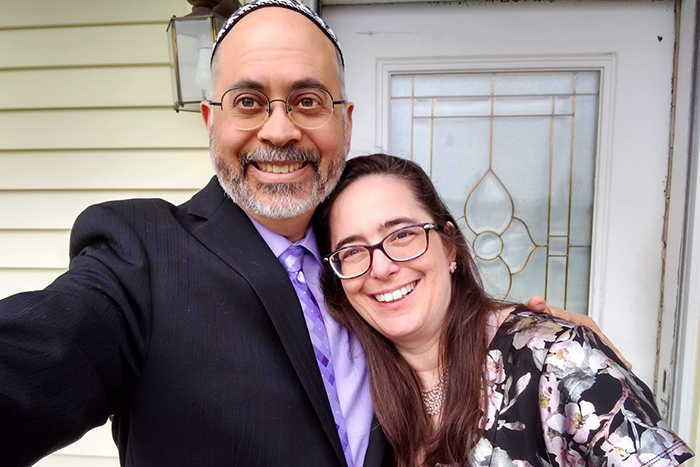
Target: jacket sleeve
[(596, 411), (70, 353)]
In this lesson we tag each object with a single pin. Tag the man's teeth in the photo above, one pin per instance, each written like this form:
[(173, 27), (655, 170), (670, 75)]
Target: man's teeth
[(279, 169), (396, 294)]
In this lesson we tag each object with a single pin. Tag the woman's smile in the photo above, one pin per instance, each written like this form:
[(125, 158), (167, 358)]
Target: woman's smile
[(396, 294)]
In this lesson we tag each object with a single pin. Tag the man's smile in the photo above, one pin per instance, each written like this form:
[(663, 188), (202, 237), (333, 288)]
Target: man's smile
[(279, 168)]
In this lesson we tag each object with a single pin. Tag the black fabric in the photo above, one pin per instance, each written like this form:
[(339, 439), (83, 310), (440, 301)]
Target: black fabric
[(558, 396), (179, 323)]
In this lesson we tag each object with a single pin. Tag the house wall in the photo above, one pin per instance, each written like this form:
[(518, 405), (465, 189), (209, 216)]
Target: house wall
[(85, 116)]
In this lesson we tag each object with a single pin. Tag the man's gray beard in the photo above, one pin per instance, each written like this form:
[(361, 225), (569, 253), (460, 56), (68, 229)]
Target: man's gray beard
[(284, 200)]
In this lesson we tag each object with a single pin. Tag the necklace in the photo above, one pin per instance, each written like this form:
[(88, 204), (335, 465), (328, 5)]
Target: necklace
[(435, 396)]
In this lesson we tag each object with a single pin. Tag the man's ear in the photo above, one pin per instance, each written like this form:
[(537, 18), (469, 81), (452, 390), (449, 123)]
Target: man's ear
[(207, 113), (348, 126)]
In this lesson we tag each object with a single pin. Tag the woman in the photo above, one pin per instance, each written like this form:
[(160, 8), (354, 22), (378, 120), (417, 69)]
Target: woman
[(459, 378)]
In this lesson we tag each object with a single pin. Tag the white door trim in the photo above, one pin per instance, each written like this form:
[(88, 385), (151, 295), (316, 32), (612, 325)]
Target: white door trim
[(679, 350), (605, 63)]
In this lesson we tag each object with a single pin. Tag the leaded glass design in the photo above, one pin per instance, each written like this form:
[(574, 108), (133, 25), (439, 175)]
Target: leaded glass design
[(513, 155)]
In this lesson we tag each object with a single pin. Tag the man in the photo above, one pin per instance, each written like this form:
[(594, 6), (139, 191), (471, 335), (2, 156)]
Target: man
[(181, 323)]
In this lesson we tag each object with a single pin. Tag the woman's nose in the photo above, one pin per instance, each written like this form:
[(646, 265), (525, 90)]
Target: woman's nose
[(382, 266)]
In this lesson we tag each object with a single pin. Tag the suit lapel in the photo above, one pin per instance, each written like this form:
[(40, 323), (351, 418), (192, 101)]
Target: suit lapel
[(378, 454), (229, 234)]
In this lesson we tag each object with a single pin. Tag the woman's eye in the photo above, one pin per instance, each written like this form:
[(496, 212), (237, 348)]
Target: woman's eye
[(350, 253), (404, 235)]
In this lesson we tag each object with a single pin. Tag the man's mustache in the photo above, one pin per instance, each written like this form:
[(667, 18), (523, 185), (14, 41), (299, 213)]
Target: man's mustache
[(283, 154)]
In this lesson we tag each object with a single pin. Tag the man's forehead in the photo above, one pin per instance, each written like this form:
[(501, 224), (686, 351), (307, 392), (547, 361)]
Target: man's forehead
[(275, 51)]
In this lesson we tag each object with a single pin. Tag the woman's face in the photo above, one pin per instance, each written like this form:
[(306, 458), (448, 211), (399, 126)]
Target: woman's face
[(363, 214)]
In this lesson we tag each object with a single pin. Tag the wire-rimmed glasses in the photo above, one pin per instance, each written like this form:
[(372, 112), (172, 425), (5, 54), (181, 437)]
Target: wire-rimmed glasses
[(309, 108), (407, 243)]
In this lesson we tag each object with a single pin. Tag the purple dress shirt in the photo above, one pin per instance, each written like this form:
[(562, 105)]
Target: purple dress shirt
[(347, 355)]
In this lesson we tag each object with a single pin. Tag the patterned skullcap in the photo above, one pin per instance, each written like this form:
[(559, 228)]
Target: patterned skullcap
[(289, 4)]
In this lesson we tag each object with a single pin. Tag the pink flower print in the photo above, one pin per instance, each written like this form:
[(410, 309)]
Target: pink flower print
[(597, 360), (537, 335), (572, 457), (557, 423), (559, 447), (549, 396), (495, 376), (618, 449), (494, 366), (566, 354), (494, 402), (581, 420)]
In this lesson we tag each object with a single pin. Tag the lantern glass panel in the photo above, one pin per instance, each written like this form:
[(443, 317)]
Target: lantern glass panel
[(190, 40)]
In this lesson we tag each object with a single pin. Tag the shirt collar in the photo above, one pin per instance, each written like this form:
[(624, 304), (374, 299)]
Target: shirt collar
[(279, 243)]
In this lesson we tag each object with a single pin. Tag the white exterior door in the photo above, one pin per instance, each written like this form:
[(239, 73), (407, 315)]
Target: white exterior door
[(626, 48)]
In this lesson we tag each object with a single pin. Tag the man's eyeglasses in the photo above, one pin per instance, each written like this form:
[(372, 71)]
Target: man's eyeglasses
[(405, 244), (246, 109)]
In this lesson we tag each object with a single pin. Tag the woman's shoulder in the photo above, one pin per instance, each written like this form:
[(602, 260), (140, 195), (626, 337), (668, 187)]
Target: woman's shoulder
[(524, 328), (556, 346), (553, 346), (591, 405)]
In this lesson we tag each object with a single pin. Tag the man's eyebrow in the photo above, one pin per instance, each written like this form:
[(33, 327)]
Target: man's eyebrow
[(247, 83), (308, 82), (354, 239)]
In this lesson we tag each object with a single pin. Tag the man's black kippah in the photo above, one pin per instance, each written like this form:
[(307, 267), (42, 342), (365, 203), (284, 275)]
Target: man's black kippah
[(289, 4)]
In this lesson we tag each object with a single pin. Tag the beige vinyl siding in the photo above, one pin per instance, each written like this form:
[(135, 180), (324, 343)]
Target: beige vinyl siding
[(85, 116)]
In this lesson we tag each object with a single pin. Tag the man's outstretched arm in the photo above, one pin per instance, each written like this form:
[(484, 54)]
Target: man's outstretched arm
[(537, 303)]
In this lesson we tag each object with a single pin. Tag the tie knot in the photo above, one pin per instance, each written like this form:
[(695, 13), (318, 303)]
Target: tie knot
[(293, 258)]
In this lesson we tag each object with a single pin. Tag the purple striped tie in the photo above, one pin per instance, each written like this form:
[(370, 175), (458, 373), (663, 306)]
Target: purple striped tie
[(292, 260)]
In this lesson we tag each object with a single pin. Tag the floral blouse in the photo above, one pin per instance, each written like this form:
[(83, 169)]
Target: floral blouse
[(558, 396)]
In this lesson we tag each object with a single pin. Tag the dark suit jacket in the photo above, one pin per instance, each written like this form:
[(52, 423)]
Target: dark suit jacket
[(179, 323)]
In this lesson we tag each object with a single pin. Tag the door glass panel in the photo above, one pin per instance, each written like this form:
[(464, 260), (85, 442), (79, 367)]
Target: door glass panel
[(451, 85), (513, 156), (534, 83)]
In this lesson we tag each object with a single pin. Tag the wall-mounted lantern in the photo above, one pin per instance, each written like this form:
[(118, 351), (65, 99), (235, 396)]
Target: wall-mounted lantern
[(190, 39)]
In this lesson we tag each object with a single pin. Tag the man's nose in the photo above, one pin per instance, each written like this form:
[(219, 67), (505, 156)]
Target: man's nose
[(279, 129)]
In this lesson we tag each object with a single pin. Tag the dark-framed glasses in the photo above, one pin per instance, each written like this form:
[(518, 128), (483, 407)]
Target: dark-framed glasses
[(404, 244), (309, 108)]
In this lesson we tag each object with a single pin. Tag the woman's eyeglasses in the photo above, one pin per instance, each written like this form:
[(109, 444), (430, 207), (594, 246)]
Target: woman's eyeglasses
[(404, 244)]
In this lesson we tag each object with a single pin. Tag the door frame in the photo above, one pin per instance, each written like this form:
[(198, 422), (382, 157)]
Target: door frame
[(678, 367)]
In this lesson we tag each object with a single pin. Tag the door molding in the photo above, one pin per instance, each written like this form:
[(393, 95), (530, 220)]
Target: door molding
[(606, 64)]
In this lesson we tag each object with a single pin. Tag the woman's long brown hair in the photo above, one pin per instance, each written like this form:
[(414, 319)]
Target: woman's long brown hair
[(463, 345)]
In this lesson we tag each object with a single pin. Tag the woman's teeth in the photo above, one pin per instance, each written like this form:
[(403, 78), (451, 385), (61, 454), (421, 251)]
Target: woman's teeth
[(278, 168), (396, 294)]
